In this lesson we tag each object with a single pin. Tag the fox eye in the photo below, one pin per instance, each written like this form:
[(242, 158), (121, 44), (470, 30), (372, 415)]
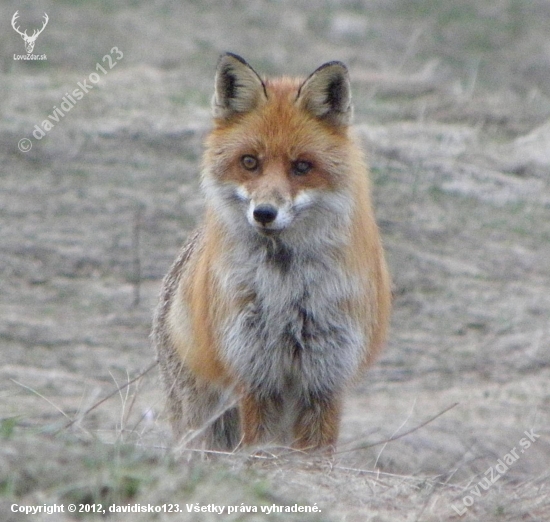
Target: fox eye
[(301, 167), (249, 162)]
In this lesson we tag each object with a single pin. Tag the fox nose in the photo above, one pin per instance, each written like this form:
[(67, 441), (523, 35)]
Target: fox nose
[(265, 214)]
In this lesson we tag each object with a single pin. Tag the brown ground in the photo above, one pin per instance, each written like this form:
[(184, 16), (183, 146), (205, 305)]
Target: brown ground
[(453, 104)]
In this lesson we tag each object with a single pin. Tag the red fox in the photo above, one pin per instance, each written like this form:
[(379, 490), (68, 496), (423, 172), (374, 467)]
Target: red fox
[(282, 296)]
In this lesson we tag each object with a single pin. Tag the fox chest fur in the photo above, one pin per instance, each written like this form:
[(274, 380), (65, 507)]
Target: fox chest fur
[(288, 327)]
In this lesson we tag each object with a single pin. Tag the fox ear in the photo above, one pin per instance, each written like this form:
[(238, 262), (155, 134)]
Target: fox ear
[(238, 87), (327, 95)]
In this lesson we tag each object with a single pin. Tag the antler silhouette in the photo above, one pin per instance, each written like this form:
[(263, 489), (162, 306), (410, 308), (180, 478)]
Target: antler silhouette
[(29, 40)]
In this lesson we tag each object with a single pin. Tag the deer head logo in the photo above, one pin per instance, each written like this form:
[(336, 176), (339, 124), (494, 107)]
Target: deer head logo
[(29, 40)]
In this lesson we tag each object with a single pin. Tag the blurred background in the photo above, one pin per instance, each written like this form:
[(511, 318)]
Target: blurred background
[(100, 147)]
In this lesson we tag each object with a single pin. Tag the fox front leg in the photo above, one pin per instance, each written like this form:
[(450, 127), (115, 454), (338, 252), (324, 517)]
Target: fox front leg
[(317, 425)]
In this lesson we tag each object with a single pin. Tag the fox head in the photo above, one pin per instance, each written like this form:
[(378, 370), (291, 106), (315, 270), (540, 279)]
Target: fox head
[(278, 158)]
